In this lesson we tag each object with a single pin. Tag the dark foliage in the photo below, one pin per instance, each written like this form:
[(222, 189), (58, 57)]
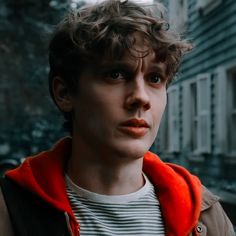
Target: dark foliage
[(29, 122)]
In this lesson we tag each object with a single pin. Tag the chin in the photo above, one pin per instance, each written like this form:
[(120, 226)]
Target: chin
[(133, 150)]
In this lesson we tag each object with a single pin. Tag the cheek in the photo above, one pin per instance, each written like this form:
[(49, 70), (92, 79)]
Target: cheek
[(95, 111), (160, 102), (159, 108), (164, 101)]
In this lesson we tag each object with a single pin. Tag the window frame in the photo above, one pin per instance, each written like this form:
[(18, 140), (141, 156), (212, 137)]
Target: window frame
[(204, 112), (222, 112), (189, 117), (172, 119)]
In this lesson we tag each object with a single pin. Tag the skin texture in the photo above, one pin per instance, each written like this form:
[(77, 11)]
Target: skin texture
[(106, 156)]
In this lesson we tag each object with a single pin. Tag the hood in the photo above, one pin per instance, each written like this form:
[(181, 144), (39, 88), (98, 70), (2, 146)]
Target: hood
[(43, 175), (178, 191)]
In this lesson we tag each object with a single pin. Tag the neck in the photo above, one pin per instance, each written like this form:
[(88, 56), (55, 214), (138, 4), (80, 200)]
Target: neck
[(104, 173)]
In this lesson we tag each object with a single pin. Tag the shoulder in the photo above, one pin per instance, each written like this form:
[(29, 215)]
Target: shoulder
[(5, 224), (213, 220), (208, 199)]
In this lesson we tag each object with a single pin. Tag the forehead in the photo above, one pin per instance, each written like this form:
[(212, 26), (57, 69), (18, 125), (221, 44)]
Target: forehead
[(141, 52), (142, 49), (138, 57)]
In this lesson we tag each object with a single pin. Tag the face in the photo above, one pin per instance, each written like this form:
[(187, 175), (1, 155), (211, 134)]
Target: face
[(119, 106)]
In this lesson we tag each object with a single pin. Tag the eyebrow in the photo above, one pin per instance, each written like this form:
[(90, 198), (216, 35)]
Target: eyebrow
[(127, 66), (157, 67), (116, 65)]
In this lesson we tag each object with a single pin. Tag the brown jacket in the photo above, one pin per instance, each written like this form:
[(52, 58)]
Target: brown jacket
[(212, 222)]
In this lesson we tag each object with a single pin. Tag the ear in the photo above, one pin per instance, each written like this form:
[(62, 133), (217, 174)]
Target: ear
[(62, 96)]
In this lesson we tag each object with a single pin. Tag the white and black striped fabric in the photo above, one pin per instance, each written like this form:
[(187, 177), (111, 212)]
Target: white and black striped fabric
[(132, 214)]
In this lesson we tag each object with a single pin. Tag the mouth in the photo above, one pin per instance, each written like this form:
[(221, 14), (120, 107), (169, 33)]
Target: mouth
[(136, 128), (135, 123)]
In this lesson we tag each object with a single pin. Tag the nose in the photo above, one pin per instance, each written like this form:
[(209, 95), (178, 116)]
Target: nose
[(137, 97)]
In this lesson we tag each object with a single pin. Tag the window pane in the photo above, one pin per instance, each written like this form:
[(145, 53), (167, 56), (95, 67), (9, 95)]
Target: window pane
[(173, 102), (203, 94), (203, 131), (194, 135), (194, 112), (194, 98)]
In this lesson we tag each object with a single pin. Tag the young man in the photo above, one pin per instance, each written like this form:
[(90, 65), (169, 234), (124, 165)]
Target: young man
[(110, 66)]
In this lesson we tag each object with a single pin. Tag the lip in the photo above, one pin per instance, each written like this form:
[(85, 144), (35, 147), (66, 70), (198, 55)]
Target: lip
[(136, 128)]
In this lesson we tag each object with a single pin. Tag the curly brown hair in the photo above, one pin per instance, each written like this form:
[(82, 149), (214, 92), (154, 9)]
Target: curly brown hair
[(109, 30)]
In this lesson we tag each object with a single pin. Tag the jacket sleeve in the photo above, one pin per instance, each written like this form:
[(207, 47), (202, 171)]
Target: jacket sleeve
[(5, 224), (213, 218)]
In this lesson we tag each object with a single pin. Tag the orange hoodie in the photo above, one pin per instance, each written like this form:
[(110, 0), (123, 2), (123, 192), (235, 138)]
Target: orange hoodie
[(178, 191)]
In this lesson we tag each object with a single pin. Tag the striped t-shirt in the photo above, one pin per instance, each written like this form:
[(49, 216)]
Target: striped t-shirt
[(136, 213)]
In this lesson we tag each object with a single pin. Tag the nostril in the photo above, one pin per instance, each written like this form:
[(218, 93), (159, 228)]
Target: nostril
[(147, 106), (134, 105), (138, 104), (137, 100)]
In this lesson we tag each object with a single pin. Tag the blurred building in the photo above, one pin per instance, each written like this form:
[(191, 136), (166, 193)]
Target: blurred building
[(199, 125)]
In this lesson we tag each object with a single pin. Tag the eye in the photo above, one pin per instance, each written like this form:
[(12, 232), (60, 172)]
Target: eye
[(155, 78), (116, 75)]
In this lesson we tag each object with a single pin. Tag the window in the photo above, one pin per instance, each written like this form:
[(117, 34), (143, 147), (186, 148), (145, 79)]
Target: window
[(196, 115), (226, 112), (203, 107), (173, 119), (168, 139)]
